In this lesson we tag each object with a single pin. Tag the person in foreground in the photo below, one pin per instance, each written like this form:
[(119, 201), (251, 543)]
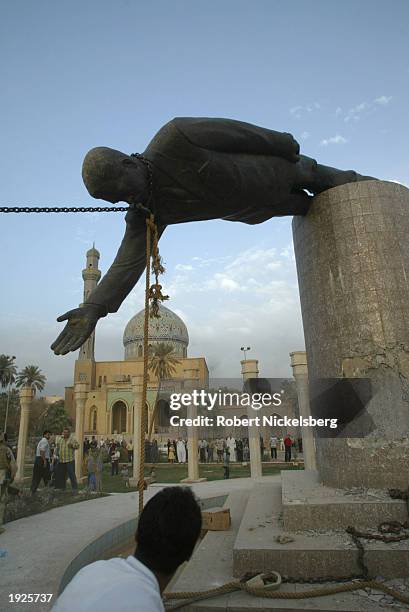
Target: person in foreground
[(167, 532), (194, 169)]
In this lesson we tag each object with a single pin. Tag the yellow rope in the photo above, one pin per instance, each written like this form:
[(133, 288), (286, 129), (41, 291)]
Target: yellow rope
[(259, 592), (141, 481), (153, 295)]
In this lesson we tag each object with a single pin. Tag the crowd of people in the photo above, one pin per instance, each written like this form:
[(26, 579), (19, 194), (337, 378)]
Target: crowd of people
[(54, 462), (213, 450)]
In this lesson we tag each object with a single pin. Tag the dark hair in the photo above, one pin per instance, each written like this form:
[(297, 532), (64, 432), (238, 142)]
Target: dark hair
[(168, 529), (46, 432)]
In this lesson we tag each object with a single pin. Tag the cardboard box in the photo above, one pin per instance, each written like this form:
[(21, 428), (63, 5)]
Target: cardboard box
[(216, 520)]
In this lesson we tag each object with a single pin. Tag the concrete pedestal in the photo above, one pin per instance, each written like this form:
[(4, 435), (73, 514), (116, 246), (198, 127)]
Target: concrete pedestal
[(26, 397), (352, 253)]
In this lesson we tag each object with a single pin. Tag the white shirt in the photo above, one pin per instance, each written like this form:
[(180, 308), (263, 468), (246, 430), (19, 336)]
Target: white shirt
[(117, 584), (43, 445), (273, 442)]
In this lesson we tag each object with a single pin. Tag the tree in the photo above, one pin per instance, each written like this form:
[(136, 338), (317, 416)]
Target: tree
[(8, 372), (55, 418), (31, 376), (162, 364), (10, 408)]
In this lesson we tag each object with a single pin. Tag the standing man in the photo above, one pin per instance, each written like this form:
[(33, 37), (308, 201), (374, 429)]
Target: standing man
[(287, 447), (219, 450), (273, 446), (261, 448), (41, 469), (115, 457), (64, 448), (8, 470), (202, 451), (130, 451), (181, 451), (231, 443), (226, 463)]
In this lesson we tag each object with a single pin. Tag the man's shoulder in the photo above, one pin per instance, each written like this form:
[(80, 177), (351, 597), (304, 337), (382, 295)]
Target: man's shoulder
[(103, 583)]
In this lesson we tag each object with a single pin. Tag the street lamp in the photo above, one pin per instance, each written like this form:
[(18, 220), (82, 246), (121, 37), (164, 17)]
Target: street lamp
[(245, 349)]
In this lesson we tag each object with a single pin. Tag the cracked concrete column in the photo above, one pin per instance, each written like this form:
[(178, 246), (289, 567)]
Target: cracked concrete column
[(352, 254), (80, 396), (249, 369), (26, 397), (137, 383), (300, 373)]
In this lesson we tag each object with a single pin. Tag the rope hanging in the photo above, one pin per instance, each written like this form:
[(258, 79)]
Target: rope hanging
[(153, 295)]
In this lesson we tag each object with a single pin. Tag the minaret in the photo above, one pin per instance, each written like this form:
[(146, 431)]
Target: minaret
[(91, 275)]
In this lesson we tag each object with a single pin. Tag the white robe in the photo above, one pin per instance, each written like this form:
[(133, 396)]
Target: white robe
[(181, 451), (231, 443)]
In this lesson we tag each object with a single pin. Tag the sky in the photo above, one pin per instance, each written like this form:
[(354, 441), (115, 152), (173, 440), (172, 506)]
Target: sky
[(75, 75)]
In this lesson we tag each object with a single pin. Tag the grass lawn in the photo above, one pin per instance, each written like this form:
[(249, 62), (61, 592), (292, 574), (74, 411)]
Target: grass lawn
[(167, 473), (25, 505), (174, 473)]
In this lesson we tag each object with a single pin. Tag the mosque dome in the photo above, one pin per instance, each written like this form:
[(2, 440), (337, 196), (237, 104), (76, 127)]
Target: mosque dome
[(168, 329)]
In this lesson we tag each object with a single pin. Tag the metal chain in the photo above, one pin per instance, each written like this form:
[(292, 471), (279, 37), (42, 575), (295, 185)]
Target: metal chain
[(90, 209), (62, 209), (385, 528)]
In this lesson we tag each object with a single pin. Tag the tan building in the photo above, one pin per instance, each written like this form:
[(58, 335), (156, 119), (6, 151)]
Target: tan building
[(109, 403)]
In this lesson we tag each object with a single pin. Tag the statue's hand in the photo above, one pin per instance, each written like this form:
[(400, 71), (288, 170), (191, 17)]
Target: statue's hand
[(81, 324)]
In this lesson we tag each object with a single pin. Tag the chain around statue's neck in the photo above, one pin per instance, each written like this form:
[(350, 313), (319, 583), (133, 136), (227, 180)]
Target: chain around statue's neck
[(146, 207)]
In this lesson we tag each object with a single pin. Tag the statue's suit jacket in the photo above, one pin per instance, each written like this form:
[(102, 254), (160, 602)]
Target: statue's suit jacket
[(204, 169)]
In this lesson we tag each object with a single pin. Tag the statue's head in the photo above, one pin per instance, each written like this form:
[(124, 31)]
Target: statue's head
[(114, 176)]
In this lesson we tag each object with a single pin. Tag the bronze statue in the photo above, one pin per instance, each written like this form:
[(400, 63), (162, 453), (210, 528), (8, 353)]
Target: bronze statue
[(194, 169)]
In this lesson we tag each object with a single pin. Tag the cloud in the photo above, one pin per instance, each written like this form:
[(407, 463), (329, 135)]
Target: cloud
[(355, 113), (305, 135), (298, 110), (338, 139), (183, 267), (383, 100)]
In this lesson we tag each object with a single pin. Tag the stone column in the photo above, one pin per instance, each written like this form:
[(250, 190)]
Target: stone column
[(300, 373), (191, 381), (80, 396), (26, 397), (137, 383), (352, 254), (249, 369)]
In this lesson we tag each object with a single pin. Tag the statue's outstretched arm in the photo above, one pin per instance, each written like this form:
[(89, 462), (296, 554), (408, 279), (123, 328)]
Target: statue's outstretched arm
[(231, 136), (109, 294), (127, 267)]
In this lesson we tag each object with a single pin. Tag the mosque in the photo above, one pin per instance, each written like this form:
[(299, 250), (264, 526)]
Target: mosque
[(109, 404)]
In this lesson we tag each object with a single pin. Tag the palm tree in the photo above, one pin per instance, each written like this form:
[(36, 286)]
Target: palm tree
[(8, 371), (162, 364), (31, 376)]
